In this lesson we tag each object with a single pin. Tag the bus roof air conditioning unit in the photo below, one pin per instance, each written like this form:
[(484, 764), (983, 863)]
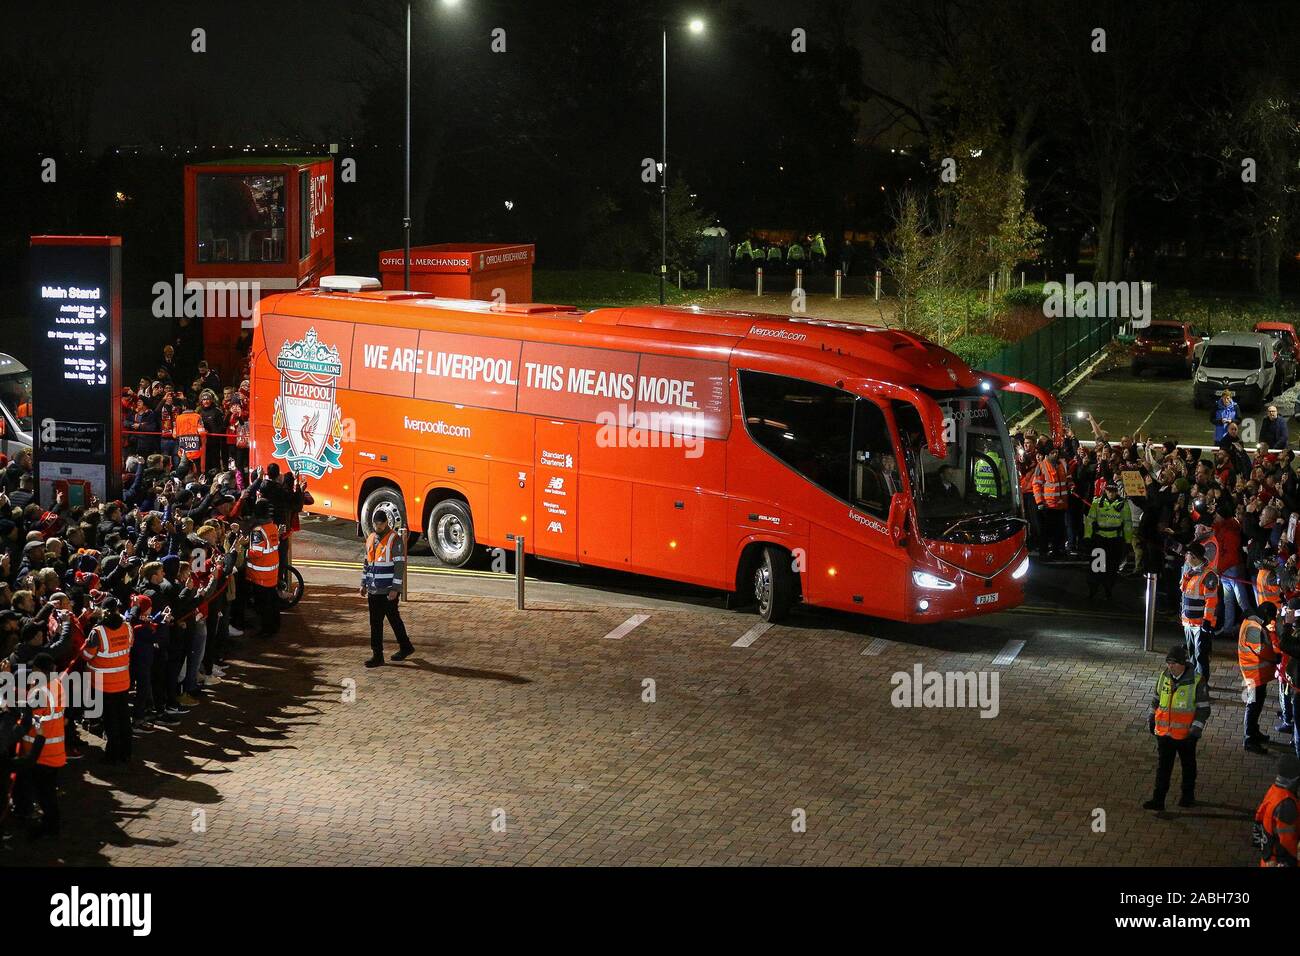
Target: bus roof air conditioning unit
[(348, 283)]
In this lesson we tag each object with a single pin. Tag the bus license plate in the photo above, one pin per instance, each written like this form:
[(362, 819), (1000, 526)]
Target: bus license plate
[(986, 598)]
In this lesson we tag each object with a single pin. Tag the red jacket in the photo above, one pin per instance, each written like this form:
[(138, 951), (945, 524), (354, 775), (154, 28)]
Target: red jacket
[(1227, 532)]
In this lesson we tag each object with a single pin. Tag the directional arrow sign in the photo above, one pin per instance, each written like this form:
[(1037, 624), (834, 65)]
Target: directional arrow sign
[(102, 338), (102, 311)]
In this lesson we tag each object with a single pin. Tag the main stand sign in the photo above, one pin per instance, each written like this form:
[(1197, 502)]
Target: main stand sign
[(76, 284)]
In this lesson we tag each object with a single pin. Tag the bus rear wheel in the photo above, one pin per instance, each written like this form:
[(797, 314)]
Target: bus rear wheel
[(774, 585), (451, 532), (386, 499)]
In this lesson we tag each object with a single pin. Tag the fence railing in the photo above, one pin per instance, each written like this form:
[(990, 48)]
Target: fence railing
[(1050, 357)]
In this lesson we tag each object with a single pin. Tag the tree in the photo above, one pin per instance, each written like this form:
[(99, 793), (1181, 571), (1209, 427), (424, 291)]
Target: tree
[(911, 258)]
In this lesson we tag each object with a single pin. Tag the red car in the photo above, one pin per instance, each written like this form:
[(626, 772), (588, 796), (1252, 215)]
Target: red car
[(1288, 348), (1166, 345)]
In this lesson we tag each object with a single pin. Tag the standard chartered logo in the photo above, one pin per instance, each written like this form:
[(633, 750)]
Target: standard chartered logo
[(439, 427)]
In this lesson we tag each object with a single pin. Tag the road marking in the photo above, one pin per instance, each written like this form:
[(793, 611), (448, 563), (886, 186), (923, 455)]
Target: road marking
[(877, 645), (752, 634), (627, 627), (1148, 418), (1008, 653)]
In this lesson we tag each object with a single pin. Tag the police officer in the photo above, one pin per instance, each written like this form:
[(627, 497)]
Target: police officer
[(1180, 707), (1276, 818), (381, 583), (1108, 528)]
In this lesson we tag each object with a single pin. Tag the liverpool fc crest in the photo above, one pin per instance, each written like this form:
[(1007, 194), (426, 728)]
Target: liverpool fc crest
[(308, 425)]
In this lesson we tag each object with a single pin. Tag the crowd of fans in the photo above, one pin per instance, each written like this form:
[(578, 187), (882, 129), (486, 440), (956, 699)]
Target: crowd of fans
[(168, 558), (1231, 509)]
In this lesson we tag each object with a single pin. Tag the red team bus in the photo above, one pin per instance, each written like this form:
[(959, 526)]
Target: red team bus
[(781, 459)]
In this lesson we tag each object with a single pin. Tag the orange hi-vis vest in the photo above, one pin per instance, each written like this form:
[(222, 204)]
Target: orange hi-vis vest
[(1280, 846), (1255, 653), (262, 564), (49, 713), (380, 574), (188, 432), (108, 654), (1050, 485), (1200, 597), (1267, 588), (1175, 706)]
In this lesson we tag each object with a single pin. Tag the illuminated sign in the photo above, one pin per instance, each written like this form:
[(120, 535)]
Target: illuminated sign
[(76, 313)]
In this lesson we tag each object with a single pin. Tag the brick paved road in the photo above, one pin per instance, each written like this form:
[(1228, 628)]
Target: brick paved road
[(537, 719)]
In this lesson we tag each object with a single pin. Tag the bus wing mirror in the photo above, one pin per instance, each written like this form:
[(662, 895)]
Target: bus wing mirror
[(1047, 399), (898, 517)]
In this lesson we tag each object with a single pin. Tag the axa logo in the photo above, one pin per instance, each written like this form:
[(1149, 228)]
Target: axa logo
[(77, 909), (308, 424), (555, 528)]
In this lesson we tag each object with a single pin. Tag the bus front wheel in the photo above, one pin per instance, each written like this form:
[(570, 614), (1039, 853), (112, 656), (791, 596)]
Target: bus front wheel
[(451, 532), (774, 585)]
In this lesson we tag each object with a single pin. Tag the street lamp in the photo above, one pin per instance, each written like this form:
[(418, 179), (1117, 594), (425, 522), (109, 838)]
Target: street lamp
[(406, 188), (696, 26)]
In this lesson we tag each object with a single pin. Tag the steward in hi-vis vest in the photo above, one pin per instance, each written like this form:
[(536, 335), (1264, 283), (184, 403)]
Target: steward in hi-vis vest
[(41, 752), (381, 583), (1275, 820), (1179, 709), (108, 658), (262, 568)]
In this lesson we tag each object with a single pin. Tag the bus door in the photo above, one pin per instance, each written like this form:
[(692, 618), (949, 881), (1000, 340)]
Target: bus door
[(555, 491)]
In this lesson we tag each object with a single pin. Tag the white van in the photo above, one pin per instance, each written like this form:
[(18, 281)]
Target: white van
[(15, 405)]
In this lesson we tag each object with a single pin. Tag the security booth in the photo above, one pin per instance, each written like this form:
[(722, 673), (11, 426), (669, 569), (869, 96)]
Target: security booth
[(254, 226), (464, 270)]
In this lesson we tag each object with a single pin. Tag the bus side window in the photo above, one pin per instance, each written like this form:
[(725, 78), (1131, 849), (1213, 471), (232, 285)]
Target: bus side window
[(875, 469), (804, 425)]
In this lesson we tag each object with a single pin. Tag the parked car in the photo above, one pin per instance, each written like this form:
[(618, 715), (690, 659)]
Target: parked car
[(1289, 348), (1246, 362), (1166, 345), (15, 405)]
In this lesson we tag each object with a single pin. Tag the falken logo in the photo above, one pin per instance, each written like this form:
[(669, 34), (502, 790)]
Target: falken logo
[(76, 909), (308, 424)]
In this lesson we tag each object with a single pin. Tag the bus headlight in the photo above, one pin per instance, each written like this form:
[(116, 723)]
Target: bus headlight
[(1021, 571), (924, 579)]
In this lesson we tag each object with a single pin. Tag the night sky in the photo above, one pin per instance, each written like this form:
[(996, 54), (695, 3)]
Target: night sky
[(288, 68)]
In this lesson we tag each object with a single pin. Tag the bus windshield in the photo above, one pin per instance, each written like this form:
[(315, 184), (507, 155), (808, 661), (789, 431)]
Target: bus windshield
[(16, 396), (972, 492)]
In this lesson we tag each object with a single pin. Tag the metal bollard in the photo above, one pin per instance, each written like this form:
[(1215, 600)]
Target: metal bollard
[(708, 277), (519, 572), (679, 279), (1149, 619), (798, 278), (1022, 278), (877, 285), (406, 565), (758, 276), (839, 283)]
